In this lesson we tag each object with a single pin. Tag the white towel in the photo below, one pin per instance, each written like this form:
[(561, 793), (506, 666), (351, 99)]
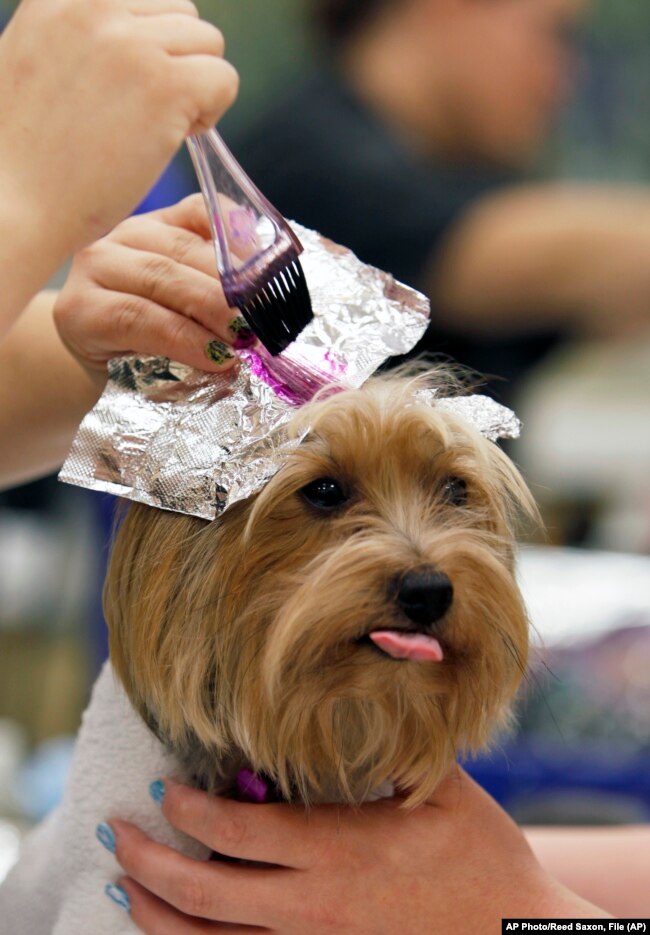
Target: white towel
[(57, 886)]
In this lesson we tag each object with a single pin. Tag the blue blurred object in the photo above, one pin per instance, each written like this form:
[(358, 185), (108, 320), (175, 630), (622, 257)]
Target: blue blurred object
[(176, 182), (556, 784)]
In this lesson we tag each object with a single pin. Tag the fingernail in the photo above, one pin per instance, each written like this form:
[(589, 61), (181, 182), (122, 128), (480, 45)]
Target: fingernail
[(157, 791), (106, 836), (244, 334), (218, 352), (119, 896)]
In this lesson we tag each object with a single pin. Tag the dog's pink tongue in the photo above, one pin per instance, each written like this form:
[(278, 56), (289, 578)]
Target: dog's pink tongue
[(415, 646)]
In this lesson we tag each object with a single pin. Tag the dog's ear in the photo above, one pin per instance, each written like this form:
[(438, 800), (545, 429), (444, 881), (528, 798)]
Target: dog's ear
[(162, 602), (142, 575)]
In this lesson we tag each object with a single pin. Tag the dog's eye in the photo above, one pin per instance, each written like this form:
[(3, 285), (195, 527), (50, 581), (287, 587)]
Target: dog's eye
[(325, 494), (454, 490)]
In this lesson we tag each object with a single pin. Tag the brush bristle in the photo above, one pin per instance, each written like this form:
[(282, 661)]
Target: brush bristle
[(280, 309)]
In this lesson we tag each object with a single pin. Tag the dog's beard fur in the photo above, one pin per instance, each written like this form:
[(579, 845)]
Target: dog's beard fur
[(241, 639)]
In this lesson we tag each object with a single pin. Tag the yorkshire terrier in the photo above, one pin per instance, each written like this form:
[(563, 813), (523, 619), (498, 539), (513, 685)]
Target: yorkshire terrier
[(356, 622)]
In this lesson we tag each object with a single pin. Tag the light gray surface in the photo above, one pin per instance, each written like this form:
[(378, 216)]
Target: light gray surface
[(571, 593)]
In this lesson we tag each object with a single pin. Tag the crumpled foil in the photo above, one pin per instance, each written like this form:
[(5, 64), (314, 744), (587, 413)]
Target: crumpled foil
[(196, 443), (492, 420), (193, 442)]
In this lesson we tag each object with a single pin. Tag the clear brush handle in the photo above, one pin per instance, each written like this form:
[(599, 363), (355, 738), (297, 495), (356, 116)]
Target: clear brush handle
[(252, 240)]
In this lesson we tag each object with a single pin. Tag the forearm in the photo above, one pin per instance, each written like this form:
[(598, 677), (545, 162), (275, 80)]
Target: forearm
[(567, 257), (44, 393), (29, 255), (607, 866)]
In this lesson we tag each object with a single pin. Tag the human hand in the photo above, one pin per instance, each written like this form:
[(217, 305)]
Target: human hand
[(151, 287), (456, 864), (96, 98)]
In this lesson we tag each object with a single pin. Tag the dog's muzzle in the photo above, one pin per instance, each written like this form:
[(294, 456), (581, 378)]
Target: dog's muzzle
[(424, 596)]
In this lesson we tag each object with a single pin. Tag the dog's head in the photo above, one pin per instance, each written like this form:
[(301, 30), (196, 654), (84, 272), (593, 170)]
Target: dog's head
[(357, 621)]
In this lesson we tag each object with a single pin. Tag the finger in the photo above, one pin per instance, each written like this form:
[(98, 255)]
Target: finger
[(155, 917), (173, 286), (274, 834), (456, 784), (133, 324), (211, 83), (184, 35), (191, 214), (177, 243), (442, 791), (207, 890), (159, 7)]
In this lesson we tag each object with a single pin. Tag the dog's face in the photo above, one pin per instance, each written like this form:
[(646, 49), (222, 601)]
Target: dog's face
[(355, 622)]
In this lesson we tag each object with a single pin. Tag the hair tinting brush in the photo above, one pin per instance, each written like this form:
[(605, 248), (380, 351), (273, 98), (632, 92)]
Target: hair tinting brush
[(257, 252)]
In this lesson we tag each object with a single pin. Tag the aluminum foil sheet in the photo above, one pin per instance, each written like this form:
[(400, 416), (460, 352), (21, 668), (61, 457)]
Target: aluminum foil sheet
[(192, 442), (179, 439), (492, 420), (184, 440)]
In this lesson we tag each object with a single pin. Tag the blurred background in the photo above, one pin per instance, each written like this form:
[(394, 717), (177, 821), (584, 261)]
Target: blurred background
[(581, 752)]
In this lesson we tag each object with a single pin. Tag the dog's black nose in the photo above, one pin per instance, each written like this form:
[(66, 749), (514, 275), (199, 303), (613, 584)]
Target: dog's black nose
[(424, 595)]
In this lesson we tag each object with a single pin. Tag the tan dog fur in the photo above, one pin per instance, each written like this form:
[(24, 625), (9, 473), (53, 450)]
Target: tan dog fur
[(237, 638)]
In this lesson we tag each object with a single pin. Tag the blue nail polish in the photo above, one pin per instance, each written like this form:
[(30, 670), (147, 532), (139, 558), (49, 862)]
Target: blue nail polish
[(157, 791), (106, 836), (119, 896)]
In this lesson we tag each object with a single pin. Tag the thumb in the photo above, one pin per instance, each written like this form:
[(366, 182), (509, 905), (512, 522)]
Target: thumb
[(446, 794)]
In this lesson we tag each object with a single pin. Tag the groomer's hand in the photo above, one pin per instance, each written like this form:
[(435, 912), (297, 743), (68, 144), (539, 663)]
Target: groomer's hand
[(457, 864), (151, 287), (95, 99)]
